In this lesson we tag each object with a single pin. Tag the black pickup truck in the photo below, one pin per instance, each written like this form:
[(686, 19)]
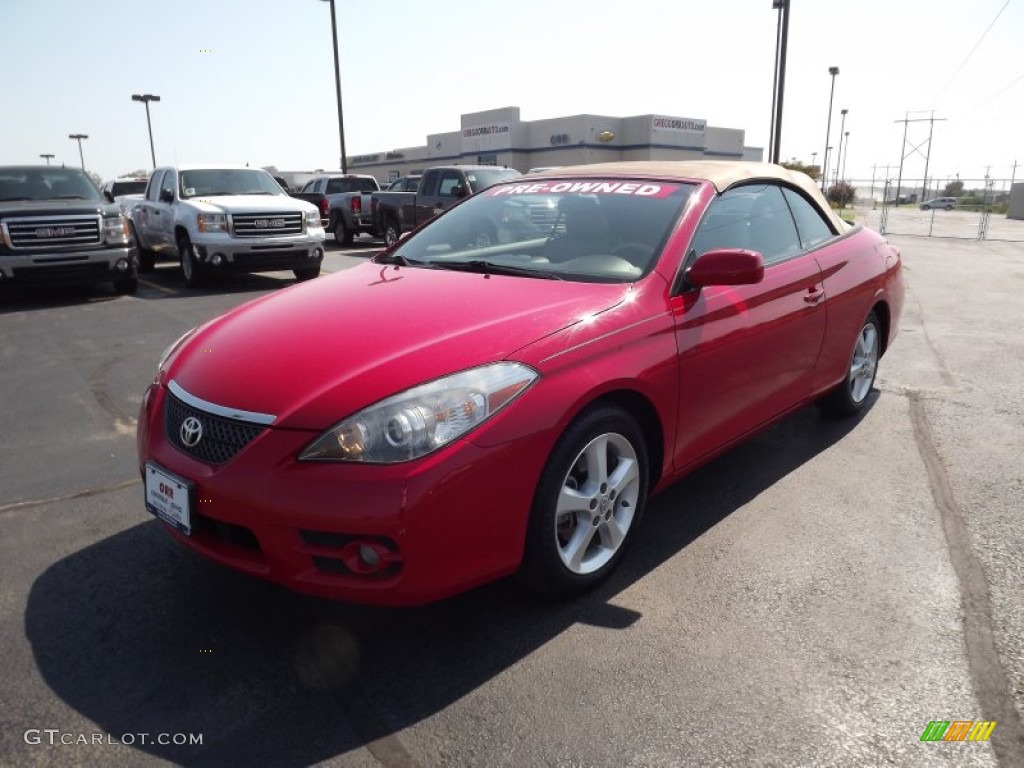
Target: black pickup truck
[(55, 227), (439, 188), (344, 203)]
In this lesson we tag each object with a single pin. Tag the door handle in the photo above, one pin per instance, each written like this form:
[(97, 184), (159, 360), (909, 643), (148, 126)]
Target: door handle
[(814, 294)]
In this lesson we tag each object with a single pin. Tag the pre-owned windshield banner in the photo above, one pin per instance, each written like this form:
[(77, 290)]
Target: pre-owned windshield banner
[(637, 188)]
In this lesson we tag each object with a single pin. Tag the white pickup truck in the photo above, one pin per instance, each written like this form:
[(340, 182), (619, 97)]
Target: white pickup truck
[(220, 218)]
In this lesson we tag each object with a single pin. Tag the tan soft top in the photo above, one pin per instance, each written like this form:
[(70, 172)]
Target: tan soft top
[(721, 173)]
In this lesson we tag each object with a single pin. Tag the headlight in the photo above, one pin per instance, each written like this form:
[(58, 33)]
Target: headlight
[(313, 219), (116, 230), (422, 419), (212, 222), (174, 347)]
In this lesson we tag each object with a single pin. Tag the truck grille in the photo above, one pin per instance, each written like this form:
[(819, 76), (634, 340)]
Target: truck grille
[(46, 232), (221, 438), (265, 224)]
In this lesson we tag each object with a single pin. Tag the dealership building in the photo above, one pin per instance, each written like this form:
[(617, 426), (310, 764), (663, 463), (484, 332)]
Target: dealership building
[(500, 137)]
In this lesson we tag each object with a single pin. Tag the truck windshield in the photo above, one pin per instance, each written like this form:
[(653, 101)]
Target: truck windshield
[(46, 184), (351, 185), (228, 181), (588, 230), (482, 179)]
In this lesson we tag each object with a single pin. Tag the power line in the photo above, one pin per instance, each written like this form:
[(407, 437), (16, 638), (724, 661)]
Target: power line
[(968, 56)]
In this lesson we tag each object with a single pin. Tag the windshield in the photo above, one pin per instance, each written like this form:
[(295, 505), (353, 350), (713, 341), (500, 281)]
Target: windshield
[(119, 188), (351, 185), (243, 181), (480, 179), (46, 184), (592, 230)]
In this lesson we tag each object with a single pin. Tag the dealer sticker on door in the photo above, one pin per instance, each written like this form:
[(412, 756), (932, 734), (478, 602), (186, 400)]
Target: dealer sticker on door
[(169, 498)]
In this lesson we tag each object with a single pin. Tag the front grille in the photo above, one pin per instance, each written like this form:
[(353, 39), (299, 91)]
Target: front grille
[(52, 232), (266, 224), (221, 438)]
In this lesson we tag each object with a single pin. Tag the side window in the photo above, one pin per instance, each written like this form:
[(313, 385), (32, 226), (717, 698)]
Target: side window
[(154, 185), (809, 223), (449, 181), (428, 184), (168, 183), (309, 187), (753, 217)]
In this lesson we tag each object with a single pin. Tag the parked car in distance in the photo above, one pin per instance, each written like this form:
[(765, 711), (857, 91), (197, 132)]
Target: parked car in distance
[(544, 169), (56, 227), (344, 203), (945, 203), (451, 412), (439, 188), (216, 219), (405, 183)]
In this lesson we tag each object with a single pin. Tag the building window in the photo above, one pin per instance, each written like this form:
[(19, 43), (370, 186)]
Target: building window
[(491, 159)]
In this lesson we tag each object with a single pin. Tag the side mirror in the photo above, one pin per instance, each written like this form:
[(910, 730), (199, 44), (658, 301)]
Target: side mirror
[(166, 196), (727, 266), (460, 190), (108, 196)]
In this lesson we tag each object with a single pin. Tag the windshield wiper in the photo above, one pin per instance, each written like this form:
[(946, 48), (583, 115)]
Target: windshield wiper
[(491, 268), (13, 199), (69, 197)]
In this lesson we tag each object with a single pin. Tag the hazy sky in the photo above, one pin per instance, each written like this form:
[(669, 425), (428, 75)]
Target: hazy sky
[(253, 80)]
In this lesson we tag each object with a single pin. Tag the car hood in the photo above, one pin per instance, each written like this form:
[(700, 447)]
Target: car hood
[(56, 208), (249, 204), (315, 353)]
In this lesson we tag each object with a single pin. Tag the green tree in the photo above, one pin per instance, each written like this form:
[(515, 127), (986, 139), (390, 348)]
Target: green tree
[(953, 189), (814, 171), (841, 193)]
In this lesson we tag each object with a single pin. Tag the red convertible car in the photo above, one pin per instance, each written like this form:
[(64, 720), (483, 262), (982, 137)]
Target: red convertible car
[(500, 392)]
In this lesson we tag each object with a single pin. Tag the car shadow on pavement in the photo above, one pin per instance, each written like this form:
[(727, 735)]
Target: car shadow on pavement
[(139, 635)]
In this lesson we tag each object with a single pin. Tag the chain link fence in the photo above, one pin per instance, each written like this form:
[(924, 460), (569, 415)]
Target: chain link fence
[(974, 211)]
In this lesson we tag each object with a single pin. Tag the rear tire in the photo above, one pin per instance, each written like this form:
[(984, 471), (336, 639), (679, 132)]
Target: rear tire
[(590, 499), (342, 236), (850, 397), (392, 233)]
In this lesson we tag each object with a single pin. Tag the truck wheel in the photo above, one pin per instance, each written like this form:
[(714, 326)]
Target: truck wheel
[(307, 273), (190, 266), (127, 285), (342, 236), (147, 259), (392, 233)]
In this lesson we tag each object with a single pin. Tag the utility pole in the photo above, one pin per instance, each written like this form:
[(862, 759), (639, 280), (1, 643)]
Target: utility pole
[(47, 156), (781, 41), (1013, 174), (78, 137), (904, 154)]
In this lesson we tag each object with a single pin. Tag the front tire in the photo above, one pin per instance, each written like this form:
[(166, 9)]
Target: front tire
[(190, 266), (147, 259), (589, 501), (306, 273), (851, 395)]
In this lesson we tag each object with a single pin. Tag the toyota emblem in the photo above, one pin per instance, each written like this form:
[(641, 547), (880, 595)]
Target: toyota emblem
[(191, 431)]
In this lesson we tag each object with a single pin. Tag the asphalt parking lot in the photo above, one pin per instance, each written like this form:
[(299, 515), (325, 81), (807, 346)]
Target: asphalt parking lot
[(813, 598)]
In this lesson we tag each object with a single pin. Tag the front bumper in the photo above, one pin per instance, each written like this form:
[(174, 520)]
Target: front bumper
[(444, 523), (49, 268), (267, 254)]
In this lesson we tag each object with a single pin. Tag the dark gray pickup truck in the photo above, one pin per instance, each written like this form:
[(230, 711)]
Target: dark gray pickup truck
[(344, 203), (55, 227), (439, 188)]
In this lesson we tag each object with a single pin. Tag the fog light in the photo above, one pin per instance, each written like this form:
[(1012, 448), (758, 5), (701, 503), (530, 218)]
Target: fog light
[(370, 556), (217, 259), (316, 253), (121, 265)]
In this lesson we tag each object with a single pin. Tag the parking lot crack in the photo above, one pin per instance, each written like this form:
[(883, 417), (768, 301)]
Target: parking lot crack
[(27, 504), (991, 686)]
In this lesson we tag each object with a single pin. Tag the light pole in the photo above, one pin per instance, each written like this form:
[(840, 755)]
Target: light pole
[(47, 158), (779, 84), (828, 130), (337, 85), (145, 98), (78, 137), (842, 127), (846, 154)]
